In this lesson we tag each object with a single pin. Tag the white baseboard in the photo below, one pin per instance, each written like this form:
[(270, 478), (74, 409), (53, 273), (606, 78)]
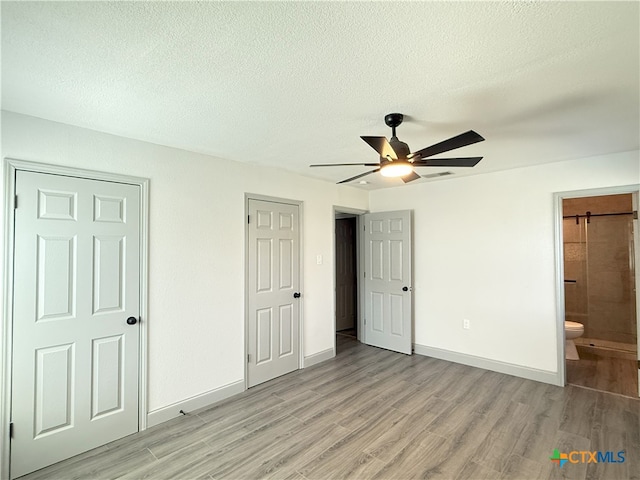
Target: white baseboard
[(319, 357), (163, 414), (494, 365)]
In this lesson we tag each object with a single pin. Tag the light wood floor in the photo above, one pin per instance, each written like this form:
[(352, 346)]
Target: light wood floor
[(604, 369), (371, 413)]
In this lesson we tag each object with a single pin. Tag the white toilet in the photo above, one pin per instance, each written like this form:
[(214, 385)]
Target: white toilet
[(572, 330)]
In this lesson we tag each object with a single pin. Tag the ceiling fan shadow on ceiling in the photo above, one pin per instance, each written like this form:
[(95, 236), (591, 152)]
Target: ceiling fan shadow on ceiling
[(396, 159)]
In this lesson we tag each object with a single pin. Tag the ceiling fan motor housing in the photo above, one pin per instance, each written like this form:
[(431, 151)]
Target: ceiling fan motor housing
[(401, 148)]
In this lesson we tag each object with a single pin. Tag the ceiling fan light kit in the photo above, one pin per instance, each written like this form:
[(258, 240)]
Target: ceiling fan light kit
[(397, 168), (397, 160)]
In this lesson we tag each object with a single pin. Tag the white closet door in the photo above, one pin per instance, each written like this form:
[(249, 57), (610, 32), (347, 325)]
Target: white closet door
[(274, 282), (77, 281)]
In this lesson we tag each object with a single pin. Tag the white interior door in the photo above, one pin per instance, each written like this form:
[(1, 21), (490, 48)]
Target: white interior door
[(387, 280), (273, 296), (76, 282)]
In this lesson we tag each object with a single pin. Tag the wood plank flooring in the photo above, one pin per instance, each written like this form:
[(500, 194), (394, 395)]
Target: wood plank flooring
[(371, 413), (604, 369)]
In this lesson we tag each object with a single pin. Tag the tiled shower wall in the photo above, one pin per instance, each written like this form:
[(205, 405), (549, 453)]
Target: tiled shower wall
[(598, 255)]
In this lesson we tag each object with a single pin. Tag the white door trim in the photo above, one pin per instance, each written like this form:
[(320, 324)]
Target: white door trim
[(561, 378), (299, 204), (10, 167)]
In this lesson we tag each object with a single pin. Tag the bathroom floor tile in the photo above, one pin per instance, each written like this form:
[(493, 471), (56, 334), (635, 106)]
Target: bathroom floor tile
[(601, 371)]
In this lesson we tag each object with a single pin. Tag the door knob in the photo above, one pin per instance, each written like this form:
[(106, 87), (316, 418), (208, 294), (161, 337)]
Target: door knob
[(132, 321), (296, 295), (405, 289)]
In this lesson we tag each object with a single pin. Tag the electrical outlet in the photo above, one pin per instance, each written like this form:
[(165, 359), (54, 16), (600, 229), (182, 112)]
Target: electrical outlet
[(318, 259), (466, 324)]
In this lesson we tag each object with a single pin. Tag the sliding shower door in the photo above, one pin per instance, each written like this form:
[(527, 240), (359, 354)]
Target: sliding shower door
[(600, 279)]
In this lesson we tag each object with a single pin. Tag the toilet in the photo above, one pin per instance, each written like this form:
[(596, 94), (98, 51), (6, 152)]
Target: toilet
[(572, 330)]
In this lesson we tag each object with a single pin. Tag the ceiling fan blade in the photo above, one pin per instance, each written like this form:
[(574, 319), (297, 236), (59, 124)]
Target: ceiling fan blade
[(346, 165), (411, 177), (448, 162), (381, 145), (458, 141), (359, 176)]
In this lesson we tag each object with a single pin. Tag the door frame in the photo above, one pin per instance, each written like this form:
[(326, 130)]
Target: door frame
[(357, 213), (287, 201), (11, 166), (559, 264)]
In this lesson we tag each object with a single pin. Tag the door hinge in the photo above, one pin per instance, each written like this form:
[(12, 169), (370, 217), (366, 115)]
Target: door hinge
[(248, 218), (635, 214), (11, 430), (365, 321), (248, 358), (15, 202)]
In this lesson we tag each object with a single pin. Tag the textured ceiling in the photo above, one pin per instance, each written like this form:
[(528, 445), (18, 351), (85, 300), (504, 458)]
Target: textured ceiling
[(288, 84)]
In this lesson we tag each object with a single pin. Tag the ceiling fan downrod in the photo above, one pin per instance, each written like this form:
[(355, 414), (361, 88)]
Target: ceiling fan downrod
[(393, 120)]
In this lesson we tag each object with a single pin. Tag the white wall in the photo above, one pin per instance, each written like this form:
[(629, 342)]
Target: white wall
[(196, 264), (484, 251)]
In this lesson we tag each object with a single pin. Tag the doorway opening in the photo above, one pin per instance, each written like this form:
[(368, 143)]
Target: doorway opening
[(347, 275), (346, 278), (600, 304), (379, 259)]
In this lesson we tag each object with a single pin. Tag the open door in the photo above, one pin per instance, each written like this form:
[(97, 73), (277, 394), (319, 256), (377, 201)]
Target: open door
[(387, 280)]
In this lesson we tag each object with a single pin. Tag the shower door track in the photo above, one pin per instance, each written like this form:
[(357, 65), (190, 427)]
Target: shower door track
[(588, 215)]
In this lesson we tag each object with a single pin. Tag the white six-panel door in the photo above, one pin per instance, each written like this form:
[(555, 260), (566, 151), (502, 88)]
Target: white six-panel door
[(75, 357), (387, 284), (274, 278)]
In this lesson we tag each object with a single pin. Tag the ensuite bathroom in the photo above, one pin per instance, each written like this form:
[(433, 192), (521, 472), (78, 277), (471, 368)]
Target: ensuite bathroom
[(601, 327)]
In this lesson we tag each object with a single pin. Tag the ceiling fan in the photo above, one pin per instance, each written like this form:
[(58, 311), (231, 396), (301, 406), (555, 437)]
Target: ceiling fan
[(396, 159)]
